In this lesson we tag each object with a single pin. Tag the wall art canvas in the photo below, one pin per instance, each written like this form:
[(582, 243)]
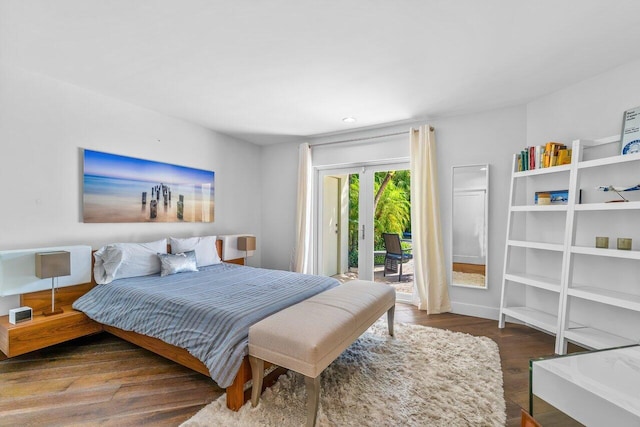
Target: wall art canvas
[(125, 189)]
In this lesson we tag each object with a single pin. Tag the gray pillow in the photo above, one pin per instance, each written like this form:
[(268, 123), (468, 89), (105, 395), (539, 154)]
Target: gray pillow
[(177, 263)]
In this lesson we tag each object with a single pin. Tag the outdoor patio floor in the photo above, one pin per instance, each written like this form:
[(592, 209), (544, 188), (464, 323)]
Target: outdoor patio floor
[(404, 286)]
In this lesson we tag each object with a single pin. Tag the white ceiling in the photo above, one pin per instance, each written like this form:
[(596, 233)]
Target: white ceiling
[(270, 71)]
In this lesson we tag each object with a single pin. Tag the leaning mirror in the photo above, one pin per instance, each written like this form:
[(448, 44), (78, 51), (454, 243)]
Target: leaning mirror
[(470, 184)]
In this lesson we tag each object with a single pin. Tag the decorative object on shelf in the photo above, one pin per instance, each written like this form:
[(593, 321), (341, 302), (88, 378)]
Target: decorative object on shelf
[(630, 136), (624, 243), (248, 245), (543, 199), (617, 189), (52, 265), (117, 188), (556, 197), (602, 242)]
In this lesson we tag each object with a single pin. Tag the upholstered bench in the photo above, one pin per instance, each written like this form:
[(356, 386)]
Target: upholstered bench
[(308, 336)]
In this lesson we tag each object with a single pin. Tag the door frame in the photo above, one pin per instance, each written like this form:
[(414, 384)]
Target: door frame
[(320, 173), (365, 246)]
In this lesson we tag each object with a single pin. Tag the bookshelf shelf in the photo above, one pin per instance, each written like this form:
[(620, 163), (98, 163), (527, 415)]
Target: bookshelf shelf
[(613, 160), (558, 247), (543, 171), (539, 319), (596, 339), (612, 253), (608, 206), (579, 306), (606, 296), (534, 280), (540, 208)]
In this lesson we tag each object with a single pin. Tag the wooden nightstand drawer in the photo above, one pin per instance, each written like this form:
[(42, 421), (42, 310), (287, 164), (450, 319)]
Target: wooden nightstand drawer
[(44, 331)]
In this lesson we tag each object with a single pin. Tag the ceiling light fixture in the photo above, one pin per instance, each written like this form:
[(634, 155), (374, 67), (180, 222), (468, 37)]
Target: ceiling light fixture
[(349, 120)]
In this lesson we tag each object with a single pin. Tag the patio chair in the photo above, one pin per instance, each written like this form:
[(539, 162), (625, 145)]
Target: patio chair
[(395, 256)]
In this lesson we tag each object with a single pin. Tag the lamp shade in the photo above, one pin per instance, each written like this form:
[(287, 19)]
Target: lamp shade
[(53, 264), (247, 243)]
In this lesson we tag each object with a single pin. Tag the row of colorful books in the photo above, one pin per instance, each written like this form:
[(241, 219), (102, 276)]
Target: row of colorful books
[(544, 156)]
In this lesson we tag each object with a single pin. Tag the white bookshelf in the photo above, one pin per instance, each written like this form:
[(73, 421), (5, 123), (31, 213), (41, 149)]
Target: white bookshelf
[(554, 278)]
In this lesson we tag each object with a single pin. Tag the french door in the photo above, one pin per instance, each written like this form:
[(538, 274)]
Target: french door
[(345, 218)]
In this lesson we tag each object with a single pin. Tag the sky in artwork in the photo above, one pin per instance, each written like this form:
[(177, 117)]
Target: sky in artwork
[(115, 166)]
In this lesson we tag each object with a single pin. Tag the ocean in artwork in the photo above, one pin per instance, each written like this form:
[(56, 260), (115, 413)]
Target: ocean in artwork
[(123, 198)]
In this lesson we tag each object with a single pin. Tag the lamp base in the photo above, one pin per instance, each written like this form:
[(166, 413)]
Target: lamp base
[(58, 310)]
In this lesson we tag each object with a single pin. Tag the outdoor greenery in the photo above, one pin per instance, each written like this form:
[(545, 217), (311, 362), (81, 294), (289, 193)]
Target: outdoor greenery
[(392, 207)]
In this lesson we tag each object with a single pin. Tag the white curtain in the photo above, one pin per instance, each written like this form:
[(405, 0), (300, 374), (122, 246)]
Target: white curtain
[(302, 249), (429, 268)]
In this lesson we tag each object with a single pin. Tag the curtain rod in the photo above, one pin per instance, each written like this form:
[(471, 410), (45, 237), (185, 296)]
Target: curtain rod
[(365, 138)]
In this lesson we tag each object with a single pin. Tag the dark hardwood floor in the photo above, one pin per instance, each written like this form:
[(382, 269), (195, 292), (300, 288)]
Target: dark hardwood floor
[(102, 380)]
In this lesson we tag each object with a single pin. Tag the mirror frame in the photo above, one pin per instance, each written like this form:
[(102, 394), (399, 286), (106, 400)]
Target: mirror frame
[(486, 225)]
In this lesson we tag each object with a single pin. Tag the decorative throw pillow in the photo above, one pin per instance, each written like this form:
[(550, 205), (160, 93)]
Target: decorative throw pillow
[(205, 247), (177, 263), (121, 260)]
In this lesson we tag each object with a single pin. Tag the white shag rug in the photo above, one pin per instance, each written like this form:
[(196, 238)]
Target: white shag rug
[(422, 377)]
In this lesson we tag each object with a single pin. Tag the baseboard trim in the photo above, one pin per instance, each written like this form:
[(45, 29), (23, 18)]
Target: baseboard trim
[(475, 310)]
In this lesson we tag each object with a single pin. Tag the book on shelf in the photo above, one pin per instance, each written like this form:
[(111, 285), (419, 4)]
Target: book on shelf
[(543, 156), (554, 197)]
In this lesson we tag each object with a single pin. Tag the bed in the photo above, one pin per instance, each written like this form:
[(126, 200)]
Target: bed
[(199, 319)]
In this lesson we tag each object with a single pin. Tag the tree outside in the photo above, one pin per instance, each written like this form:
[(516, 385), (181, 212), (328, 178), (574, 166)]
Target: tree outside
[(392, 209)]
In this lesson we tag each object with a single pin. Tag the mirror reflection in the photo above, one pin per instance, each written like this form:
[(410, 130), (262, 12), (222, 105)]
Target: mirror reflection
[(469, 226)]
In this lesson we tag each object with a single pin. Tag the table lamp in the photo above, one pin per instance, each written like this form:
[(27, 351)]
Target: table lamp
[(246, 244), (53, 264)]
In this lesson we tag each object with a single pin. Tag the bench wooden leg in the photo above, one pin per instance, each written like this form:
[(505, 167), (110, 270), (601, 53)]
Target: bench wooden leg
[(390, 315), (257, 372), (313, 395)]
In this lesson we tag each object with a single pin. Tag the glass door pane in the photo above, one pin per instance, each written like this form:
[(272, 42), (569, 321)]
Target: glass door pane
[(391, 209)]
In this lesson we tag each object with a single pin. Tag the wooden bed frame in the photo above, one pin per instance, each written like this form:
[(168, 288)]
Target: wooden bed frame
[(236, 393)]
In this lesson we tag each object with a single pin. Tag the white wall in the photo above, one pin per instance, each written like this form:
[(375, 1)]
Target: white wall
[(590, 109), (45, 124), (491, 137), (279, 185)]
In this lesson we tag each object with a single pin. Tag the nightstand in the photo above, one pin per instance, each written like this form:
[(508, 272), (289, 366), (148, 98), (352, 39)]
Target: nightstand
[(44, 331)]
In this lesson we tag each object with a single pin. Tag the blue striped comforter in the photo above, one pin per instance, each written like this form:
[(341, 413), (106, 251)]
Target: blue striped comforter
[(207, 312)]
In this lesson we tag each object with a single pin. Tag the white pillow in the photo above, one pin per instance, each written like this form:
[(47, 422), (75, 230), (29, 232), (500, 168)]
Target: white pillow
[(120, 260), (205, 247)]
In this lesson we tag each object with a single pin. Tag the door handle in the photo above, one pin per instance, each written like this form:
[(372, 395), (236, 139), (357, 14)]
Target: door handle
[(362, 231)]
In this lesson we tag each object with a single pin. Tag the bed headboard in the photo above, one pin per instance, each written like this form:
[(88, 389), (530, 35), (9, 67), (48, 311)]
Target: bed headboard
[(41, 300)]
